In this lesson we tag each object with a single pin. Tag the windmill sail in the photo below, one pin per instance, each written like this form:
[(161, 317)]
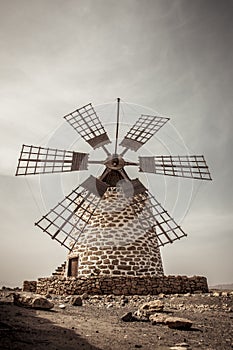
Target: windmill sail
[(155, 218), (145, 127), (182, 166), (151, 215), (39, 160), (87, 123), (66, 221)]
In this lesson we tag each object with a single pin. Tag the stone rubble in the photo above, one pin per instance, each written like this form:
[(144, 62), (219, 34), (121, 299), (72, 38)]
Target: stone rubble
[(160, 311), (153, 311)]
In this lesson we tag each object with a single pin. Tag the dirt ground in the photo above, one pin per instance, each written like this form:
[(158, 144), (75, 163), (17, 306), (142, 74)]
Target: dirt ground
[(97, 324)]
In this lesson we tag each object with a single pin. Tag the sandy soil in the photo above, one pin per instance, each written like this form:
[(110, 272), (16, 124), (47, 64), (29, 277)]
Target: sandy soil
[(97, 324)]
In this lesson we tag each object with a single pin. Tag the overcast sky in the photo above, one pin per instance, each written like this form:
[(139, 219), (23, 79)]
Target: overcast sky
[(172, 56)]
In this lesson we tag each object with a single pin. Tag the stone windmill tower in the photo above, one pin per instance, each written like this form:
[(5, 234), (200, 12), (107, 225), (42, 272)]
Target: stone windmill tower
[(111, 225)]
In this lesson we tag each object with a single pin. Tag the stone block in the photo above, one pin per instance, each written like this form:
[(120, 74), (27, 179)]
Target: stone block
[(115, 261), (131, 248), (124, 267), (106, 261)]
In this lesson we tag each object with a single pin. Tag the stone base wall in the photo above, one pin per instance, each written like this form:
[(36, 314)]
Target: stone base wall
[(121, 285), (29, 286)]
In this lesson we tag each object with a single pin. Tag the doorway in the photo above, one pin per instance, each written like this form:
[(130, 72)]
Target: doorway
[(73, 267)]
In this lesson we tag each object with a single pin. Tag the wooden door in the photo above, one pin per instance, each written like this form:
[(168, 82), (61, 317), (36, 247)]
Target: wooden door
[(73, 267)]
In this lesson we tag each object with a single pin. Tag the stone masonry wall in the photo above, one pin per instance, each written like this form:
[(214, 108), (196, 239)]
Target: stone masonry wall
[(29, 286), (115, 242), (121, 285)]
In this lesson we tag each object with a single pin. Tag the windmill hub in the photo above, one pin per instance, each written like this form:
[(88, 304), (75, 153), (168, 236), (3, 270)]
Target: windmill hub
[(115, 162)]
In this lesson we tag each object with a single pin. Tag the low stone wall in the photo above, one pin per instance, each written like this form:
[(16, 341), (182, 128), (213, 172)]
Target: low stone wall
[(121, 285), (29, 286)]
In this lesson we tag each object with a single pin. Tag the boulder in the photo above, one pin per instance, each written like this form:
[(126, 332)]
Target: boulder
[(42, 303), (76, 300), (32, 301), (178, 323)]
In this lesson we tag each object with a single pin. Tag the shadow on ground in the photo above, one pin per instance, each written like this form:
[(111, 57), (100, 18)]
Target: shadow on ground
[(22, 328)]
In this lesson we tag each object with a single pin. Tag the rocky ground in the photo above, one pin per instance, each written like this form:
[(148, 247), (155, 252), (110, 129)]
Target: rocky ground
[(97, 323)]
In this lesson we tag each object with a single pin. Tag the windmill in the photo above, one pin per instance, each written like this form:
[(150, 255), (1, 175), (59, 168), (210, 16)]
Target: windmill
[(111, 225)]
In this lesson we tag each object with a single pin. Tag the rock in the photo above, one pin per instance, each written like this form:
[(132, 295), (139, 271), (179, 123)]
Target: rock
[(68, 298), (140, 317), (124, 300), (84, 296), (128, 317), (157, 318), (42, 303), (32, 301), (178, 323), (76, 300), (109, 298), (149, 308), (182, 345), (48, 296), (161, 296), (152, 306), (62, 306)]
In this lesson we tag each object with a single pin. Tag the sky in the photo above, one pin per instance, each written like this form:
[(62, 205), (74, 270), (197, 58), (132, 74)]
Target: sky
[(170, 56)]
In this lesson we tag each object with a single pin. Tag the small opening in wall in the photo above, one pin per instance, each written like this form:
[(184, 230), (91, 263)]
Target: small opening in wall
[(73, 267)]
